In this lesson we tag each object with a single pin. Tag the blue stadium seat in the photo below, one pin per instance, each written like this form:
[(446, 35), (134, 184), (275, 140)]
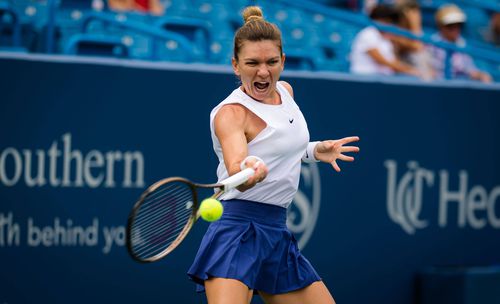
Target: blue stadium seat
[(170, 50), (210, 10), (233, 5), (32, 17), (330, 58), (285, 15), (179, 8), (300, 35), (10, 27), (222, 19), (339, 35), (140, 44), (477, 22), (97, 45), (300, 59), (68, 21), (197, 31), (428, 9), (334, 42), (221, 51), (32, 12), (71, 14)]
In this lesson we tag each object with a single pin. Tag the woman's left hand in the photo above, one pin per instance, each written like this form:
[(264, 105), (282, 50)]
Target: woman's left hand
[(329, 151)]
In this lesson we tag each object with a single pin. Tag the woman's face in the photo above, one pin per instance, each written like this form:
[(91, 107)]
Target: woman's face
[(451, 32), (259, 66)]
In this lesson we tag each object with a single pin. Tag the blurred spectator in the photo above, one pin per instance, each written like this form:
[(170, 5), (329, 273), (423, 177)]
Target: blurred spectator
[(372, 51), (450, 19), (412, 51), (145, 6)]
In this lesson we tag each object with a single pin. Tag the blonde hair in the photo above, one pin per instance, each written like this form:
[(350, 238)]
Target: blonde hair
[(256, 28)]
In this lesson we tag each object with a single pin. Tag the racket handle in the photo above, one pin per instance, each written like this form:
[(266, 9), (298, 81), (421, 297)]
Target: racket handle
[(237, 179)]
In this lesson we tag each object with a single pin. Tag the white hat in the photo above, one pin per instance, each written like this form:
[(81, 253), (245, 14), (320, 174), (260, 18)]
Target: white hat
[(450, 14)]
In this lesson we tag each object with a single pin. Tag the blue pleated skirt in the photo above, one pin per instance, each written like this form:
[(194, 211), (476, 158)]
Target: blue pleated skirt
[(251, 243)]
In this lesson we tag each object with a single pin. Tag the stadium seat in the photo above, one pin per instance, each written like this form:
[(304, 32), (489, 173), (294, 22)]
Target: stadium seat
[(10, 28), (299, 59), (97, 45), (195, 30), (221, 51), (477, 22), (31, 17), (32, 12)]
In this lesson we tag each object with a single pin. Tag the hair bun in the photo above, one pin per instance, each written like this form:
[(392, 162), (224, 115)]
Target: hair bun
[(252, 13)]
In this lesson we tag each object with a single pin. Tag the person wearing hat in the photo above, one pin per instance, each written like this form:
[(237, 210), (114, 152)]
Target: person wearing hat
[(450, 20)]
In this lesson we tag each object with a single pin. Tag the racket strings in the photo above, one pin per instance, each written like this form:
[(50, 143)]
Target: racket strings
[(154, 205), (161, 217), (153, 224), (155, 211), (142, 246), (138, 235), (152, 249), (162, 228)]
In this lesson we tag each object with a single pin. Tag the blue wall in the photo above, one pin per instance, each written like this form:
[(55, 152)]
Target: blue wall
[(424, 190)]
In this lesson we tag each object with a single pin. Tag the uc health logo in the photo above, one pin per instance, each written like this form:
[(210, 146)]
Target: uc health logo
[(475, 207)]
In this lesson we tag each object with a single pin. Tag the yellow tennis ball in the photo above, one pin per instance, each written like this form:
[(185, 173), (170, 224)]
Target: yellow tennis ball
[(211, 209)]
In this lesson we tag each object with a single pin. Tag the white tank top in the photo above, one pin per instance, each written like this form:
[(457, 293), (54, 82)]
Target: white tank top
[(281, 145)]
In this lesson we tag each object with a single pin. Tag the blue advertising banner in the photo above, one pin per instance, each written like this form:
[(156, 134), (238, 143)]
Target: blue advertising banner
[(81, 139)]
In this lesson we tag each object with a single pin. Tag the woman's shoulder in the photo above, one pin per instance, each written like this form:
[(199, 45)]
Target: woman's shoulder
[(233, 105), (287, 86), (369, 31), (234, 110)]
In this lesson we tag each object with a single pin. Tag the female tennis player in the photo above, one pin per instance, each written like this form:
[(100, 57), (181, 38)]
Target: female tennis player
[(259, 125)]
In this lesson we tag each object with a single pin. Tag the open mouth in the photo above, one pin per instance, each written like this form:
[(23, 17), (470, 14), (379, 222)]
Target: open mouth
[(261, 85)]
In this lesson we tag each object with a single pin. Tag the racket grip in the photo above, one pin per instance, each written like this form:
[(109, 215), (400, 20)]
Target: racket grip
[(237, 179)]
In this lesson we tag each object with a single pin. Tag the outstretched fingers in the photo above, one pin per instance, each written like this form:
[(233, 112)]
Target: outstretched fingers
[(335, 166), (345, 149), (350, 149), (346, 158), (348, 139)]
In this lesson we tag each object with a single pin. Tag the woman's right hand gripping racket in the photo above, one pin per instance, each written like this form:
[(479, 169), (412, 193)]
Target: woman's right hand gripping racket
[(165, 213)]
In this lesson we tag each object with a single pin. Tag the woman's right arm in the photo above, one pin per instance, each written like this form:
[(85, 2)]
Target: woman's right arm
[(230, 128), (395, 65)]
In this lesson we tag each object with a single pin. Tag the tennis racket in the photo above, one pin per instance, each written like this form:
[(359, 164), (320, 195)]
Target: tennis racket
[(166, 211)]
